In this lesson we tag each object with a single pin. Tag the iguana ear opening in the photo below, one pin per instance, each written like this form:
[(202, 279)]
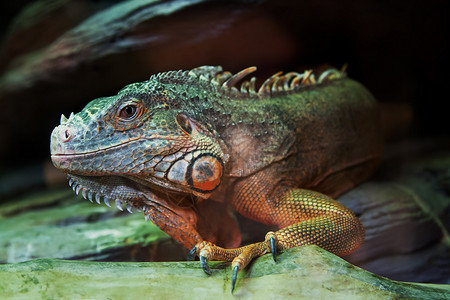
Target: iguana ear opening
[(189, 125), (185, 123)]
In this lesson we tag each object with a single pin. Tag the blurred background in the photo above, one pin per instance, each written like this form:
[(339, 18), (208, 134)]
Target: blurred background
[(57, 55)]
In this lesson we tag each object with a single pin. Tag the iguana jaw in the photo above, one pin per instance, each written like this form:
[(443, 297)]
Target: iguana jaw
[(177, 173), (127, 193), (115, 188), (79, 165)]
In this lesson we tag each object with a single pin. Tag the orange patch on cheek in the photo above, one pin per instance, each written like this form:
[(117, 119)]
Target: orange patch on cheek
[(206, 173)]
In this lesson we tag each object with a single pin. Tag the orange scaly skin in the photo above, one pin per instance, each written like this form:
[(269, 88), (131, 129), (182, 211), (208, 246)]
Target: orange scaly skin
[(185, 146), (305, 217)]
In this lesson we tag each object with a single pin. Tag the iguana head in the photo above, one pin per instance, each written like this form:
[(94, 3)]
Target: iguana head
[(147, 136)]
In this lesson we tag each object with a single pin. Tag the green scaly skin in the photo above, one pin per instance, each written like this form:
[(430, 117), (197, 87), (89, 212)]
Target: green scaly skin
[(181, 141)]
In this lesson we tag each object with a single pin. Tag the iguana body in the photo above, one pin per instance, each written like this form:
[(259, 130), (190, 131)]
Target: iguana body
[(172, 144)]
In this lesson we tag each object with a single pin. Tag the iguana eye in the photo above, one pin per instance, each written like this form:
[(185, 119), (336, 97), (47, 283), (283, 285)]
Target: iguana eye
[(128, 113)]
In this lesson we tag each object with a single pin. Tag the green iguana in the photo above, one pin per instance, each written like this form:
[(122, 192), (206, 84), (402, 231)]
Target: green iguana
[(175, 144)]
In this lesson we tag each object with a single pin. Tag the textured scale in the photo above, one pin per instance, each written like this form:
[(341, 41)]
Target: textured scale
[(185, 146)]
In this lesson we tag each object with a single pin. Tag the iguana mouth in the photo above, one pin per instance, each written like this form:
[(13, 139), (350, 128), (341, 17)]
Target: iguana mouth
[(61, 153)]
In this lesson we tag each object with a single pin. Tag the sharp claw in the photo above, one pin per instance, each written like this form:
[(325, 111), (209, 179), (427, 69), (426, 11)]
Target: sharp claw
[(273, 248), (204, 264), (233, 278), (192, 254)]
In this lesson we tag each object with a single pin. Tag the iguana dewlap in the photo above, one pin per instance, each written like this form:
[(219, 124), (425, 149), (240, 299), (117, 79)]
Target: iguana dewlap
[(172, 144)]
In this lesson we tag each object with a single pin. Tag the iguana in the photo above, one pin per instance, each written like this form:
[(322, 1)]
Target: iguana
[(175, 144)]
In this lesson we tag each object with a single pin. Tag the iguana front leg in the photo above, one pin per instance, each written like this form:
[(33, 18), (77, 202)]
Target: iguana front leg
[(191, 225), (178, 222), (305, 218)]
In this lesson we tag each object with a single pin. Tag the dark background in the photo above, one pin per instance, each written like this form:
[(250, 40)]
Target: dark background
[(398, 49)]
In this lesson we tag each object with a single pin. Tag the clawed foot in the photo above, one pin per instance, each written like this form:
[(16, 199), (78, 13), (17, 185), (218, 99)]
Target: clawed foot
[(239, 257)]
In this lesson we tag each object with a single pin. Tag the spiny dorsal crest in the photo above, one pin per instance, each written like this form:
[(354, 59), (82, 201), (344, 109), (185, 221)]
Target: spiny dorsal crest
[(226, 82)]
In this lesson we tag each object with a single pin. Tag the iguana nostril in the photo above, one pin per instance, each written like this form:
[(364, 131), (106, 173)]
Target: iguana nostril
[(65, 135)]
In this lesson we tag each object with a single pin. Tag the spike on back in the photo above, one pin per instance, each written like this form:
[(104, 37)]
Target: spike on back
[(231, 82), (227, 82), (275, 84)]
